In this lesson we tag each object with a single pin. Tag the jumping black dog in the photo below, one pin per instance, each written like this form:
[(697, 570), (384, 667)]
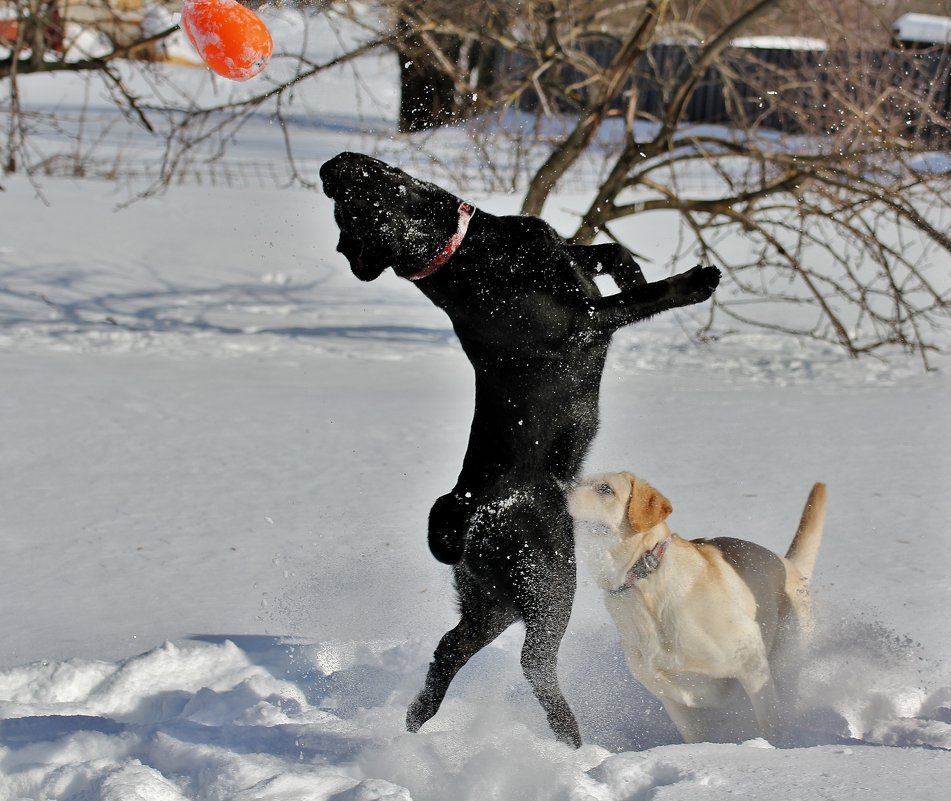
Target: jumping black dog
[(531, 320)]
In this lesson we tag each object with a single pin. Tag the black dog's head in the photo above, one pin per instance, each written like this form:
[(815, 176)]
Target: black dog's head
[(386, 217)]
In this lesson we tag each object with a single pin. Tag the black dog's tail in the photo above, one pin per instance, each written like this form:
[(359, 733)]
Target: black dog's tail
[(448, 524)]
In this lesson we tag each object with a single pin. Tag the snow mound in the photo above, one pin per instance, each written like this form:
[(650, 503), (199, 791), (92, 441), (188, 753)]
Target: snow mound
[(262, 718)]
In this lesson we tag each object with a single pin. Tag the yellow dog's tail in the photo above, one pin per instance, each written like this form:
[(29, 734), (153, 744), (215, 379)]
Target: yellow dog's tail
[(805, 545)]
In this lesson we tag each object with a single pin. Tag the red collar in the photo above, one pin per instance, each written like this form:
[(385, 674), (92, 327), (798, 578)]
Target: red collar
[(466, 210)]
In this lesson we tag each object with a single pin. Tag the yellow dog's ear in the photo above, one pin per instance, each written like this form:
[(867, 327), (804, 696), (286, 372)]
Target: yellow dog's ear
[(647, 506)]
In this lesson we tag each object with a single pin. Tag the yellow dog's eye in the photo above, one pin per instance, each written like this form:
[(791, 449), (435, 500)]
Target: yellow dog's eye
[(604, 489)]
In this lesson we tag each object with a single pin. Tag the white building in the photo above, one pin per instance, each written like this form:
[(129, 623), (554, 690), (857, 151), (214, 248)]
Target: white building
[(921, 30)]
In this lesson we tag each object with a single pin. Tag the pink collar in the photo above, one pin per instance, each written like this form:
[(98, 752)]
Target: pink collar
[(466, 210)]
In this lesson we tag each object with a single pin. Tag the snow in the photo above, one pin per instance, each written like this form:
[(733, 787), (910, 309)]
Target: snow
[(219, 451), (780, 43)]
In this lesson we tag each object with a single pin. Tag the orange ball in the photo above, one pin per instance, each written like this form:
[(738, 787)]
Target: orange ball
[(230, 38)]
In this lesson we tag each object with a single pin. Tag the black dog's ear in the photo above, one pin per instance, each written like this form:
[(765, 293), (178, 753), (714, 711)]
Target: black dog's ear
[(610, 259), (362, 263)]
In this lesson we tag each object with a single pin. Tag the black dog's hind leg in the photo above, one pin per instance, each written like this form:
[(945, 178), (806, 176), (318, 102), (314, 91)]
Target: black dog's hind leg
[(543, 633), (477, 628)]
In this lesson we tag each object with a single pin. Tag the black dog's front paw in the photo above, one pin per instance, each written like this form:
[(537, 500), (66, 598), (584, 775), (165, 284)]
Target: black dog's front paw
[(702, 281)]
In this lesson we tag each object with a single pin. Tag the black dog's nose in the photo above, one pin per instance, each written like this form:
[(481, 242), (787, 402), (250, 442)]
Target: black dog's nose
[(347, 169), (330, 175), (350, 171)]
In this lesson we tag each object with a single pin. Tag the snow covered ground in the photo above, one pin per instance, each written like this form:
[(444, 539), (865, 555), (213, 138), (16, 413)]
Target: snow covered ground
[(218, 453)]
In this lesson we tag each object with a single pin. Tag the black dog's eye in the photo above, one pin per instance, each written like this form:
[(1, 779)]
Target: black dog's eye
[(604, 489)]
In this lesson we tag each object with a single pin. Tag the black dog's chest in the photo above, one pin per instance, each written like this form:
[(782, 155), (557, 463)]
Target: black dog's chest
[(534, 321)]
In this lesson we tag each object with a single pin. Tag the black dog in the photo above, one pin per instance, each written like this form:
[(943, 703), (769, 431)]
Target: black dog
[(536, 329)]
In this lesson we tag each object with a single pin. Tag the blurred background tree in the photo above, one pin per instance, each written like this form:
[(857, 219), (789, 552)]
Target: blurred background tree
[(819, 146)]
